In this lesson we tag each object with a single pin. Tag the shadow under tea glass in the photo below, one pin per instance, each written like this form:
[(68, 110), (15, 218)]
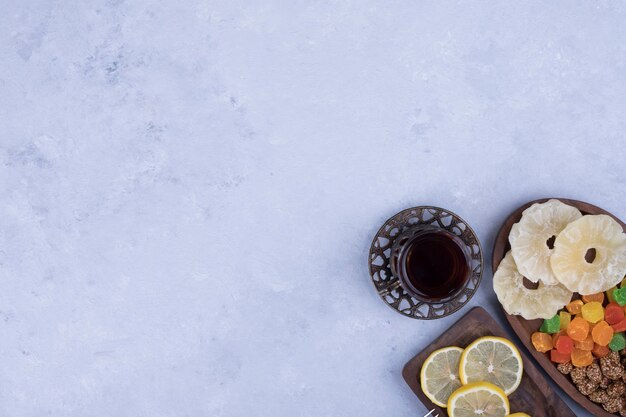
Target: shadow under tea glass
[(432, 264)]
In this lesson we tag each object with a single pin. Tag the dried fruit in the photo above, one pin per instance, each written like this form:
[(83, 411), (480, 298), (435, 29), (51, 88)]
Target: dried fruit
[(602, 333), (586, 344), (620, 296), (565, 319), (599, 297), (619, 327), (574, 249), (541, 341), (593, 312), (575, 306), (578, 329), (600, 351), (532, 238), (551, 325), (564, 344), (581, 358), (543, 302), (559, 357), (618, 342), (613, 313)]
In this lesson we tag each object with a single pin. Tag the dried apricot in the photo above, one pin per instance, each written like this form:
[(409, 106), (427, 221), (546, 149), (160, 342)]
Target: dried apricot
[(578, 329), (602, 333)]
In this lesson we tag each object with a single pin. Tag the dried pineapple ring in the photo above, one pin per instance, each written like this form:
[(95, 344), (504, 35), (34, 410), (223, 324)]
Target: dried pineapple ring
[(542, 303), (531, 238), (580, 239)]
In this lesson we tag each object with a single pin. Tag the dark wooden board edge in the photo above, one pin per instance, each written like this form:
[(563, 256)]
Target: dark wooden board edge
[(476, 323), (522, 327)]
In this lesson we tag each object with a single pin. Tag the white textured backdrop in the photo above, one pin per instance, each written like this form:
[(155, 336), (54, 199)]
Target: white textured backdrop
[(189, 188)]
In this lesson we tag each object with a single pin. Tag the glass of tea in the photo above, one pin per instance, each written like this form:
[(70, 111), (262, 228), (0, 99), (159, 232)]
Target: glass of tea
[(432, 264)]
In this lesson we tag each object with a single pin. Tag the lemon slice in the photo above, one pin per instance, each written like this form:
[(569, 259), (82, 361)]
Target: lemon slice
[(479, 399), (440, 374), (492, 359)]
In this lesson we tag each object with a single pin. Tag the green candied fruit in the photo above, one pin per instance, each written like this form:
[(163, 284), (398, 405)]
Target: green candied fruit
[(551, 326), (620, 296), (618, 342)]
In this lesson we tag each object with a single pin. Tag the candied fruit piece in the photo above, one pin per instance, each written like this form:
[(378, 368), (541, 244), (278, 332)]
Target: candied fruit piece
[(609, 294), (575, 306), (600, 351), (551, 325), (541, 341), (564, 344), (613, 313), (593, 312), (602, 333), (620, 296), (586, 344), (599, 298), (581, 358), (559, 357), (620, 327), (618, 342), (565, 318), (578, 329)]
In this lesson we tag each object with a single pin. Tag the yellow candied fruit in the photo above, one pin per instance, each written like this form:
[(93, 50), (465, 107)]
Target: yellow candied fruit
[(593, 312), (566, 318)]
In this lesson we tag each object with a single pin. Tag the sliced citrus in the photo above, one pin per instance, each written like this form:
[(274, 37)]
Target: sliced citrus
[(492, 359), (440, 374), (479, 399)]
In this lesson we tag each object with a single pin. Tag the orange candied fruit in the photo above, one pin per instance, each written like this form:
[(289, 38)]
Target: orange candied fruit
[(602, 333), (581, 358), (600, 351), (586, 344), (599, 297), (575, 306), (578, 329), (559, 357), (542, 341)]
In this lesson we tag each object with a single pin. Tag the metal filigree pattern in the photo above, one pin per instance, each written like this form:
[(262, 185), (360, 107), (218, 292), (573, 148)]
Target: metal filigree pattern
[(388, 286)]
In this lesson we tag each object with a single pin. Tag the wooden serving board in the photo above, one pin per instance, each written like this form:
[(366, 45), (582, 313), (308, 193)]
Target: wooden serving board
[(534, 396), (525, 328)]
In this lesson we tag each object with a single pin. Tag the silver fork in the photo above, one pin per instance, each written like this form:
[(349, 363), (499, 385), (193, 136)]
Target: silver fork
[(430, 413)]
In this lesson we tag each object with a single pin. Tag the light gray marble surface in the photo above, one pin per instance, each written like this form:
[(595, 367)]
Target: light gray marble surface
[(189, 188)]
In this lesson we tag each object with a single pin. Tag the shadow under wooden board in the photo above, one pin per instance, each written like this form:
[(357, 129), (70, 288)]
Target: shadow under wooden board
[(534, 396), (525, 328)]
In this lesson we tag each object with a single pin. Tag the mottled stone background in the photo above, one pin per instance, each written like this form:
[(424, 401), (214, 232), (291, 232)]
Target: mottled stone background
[(189, 188)]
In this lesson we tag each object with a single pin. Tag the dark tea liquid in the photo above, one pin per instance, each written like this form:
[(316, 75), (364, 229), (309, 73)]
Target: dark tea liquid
[(435, 265)]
